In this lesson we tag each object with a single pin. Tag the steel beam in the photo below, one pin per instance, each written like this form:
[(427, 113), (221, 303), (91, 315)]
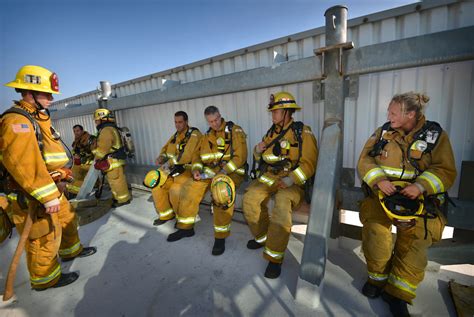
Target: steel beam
[(436, 48), (327, 181)]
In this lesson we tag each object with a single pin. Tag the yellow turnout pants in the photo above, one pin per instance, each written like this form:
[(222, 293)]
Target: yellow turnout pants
[(118, 184), (79, 173), (166, 197), (398, 270), (57, 236), (271, 230), (191, 196)]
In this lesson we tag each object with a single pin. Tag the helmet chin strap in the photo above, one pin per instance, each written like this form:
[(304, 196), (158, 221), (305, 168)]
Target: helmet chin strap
[(282, 122), (38, 105)]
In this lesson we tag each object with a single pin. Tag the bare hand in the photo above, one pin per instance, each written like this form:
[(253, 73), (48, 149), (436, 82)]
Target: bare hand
[(77, 156), (197, 175), (261, 147), (281, 184), (411, 191), (386, 187), (159, 160), (52, 206)]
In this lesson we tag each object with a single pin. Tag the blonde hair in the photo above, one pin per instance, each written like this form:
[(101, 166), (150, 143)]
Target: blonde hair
[(412, 101)]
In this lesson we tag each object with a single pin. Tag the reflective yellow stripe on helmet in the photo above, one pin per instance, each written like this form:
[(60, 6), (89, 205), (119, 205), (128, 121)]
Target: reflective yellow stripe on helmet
[(45, 280), (402, 284)]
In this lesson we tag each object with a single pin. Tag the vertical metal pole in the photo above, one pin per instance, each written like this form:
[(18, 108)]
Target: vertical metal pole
[(313, 262)]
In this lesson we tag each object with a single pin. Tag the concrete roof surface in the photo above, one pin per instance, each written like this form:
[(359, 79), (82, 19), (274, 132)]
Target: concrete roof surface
[(136, 272)]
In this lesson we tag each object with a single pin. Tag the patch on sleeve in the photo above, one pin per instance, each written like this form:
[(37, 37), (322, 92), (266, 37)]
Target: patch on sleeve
[(20, 128)]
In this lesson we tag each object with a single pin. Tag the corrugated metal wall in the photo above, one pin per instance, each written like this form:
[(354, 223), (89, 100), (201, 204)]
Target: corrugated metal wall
[(450, 87)]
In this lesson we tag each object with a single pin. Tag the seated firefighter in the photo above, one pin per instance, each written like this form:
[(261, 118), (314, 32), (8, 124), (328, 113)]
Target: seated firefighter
[(110, 156), (287, 158), (223, 150), (82, 158), (176, 154), (33, 172), (407, 166)]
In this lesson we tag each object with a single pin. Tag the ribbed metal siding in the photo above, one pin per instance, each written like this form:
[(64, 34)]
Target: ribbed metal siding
[(451, 91), (417, 23), (450, 87)]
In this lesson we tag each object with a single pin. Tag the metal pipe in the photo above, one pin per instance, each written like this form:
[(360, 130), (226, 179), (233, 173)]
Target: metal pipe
[(313, 262)]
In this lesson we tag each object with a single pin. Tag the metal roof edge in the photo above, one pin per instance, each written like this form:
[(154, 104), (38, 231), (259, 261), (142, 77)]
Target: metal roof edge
[(390, 13)]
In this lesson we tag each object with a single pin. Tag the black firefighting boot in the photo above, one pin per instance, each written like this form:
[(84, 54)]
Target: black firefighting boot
[(371, 291), (86, 251), (181, 233), (273, 270), (398, 307), (65, 279), (254, 245), (219, 247)]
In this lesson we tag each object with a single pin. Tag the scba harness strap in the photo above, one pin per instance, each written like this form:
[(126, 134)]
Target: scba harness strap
[(183, 142), (424, 140), (260, 167)]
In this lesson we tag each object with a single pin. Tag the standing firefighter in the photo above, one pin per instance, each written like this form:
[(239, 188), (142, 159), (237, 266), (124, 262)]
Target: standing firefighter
[(406, 166), (287, 158), (223, 151), (82, 158), (110, 156), (34, 159), (177, 153)]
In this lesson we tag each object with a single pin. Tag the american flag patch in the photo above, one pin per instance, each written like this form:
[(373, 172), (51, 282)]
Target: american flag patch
[(20, 128)]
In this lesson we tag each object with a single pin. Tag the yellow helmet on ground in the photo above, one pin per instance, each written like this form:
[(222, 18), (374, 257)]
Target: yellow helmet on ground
[(154, 178), (400, 209), (104, 115), (35, 78), (282, 100), (223, 191)]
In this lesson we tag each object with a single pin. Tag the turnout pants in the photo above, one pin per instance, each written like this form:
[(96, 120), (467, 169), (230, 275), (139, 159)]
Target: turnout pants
[(401, 268), (166, 197), (57, 236), (79, 173), (118, 184), (271, 230), (191, 196)]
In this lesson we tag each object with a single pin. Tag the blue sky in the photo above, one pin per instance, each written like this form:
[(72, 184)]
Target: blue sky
[(85, 41)]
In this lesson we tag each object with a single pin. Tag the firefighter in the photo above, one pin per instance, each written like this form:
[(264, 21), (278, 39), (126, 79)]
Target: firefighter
[(110, 156), (223, 150), (287, 158), (33, 156), (82, 158), (177, 154), (411, 149)]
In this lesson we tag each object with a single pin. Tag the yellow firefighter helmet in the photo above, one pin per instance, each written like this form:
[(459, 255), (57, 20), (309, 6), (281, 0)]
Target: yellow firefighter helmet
[(282, 100), (223, 191), (154, 178), (35, 78), (400, 209), (104, 115)]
